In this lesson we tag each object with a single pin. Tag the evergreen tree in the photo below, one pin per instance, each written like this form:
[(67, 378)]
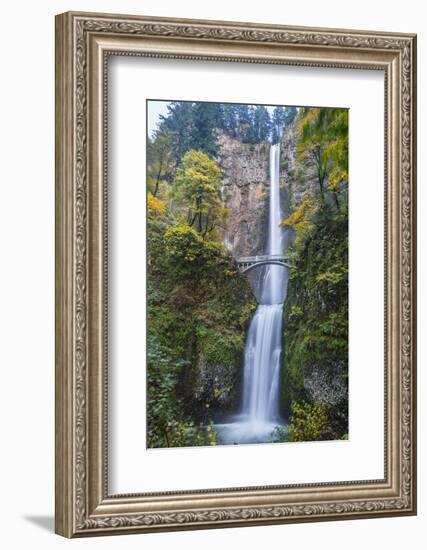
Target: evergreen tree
[(290, 114), (159, 159), (205, 120), (249, 130), (244, 121), (180, 122), (192, 126), (278, 121), (261, 123), (229, 119)]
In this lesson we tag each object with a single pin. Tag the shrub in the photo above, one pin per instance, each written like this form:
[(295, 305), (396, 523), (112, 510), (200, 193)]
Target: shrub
[(311, 422), (165, 425)]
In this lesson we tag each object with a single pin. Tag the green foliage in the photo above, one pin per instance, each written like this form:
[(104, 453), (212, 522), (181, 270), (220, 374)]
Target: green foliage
[(244, 121), (183, 242), (199, 306), (196, 190), (194, 125), (180, 124), (165, 425), (311, 422), (278, 121), (316, 313), (220, 347), (261, 124), (316, 317), (159, 160), (229, 121), (301, 220), (290, 115), (205, 121), (161, 401), (323, 144)]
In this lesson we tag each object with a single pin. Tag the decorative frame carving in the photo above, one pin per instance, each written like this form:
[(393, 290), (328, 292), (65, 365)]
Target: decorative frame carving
[(83, 42)]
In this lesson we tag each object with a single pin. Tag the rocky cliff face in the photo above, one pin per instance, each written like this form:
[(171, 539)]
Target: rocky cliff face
[(297, 178), (245, 192), (326, 384)]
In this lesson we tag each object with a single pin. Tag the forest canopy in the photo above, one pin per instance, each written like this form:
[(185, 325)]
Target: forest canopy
[(200, 305)]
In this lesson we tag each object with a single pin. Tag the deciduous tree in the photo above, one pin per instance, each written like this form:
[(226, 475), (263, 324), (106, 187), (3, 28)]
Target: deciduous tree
[(197, 190)]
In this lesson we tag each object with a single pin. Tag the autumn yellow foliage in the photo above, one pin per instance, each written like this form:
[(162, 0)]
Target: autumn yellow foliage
[(301, 219), (155, 205)]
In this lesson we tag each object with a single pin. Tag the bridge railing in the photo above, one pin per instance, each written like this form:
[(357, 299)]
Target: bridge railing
[(263, 258)]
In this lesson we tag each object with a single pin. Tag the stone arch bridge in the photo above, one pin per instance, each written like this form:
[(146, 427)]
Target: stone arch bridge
[(247, 263)]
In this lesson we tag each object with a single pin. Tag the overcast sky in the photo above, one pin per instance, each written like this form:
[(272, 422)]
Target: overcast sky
[(155, 109)]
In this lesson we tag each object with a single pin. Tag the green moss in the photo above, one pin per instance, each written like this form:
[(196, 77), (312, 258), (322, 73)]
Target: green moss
[(220, 348), (316, 312)]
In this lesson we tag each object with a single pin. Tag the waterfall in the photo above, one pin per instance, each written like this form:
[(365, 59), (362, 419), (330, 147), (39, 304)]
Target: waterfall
[(261, 377), (262, 366), (264, 340)]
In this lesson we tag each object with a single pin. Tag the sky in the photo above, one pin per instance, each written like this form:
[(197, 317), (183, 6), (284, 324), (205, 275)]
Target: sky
[(155, 109)]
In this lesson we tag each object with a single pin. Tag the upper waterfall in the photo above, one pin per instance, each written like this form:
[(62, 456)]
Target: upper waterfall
[(273, 289)]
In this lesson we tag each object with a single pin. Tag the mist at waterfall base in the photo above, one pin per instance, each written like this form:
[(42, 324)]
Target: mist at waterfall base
[(259, 415)]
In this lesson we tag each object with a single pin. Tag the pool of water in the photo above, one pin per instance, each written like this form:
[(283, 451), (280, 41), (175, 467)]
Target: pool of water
[(241, 430)]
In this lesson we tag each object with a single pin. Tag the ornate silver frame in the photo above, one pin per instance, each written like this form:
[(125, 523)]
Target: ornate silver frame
[(83, 42)]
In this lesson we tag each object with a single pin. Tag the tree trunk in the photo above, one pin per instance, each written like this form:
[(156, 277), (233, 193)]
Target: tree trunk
[(337, 202), (156, 189)]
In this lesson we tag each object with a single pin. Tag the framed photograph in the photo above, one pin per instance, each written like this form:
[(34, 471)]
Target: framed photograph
[(235, 274)]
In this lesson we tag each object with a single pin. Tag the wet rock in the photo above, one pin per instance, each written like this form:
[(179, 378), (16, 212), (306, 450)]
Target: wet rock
[(327, 384)]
